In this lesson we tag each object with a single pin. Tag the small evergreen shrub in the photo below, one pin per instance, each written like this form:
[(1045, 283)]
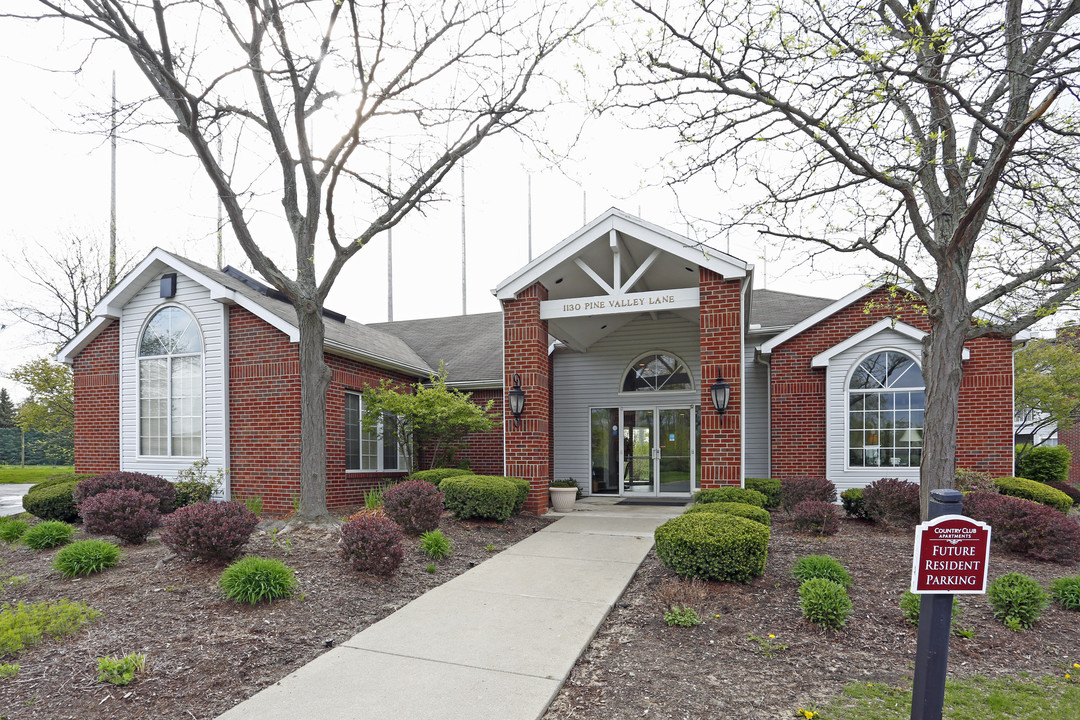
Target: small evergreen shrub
[(794, 490), (255, 579), (86, 557), (435, 545), (1066, 592), (196, 485), (1026, 527), (825, 603), (120, 671), (1044, 463), (713, 546), (372, 544), (817, 517), (769, 487), (682, 617), (212, 531), (852, 500), (750, 512), (973, 481), (1071, 490), (26, 624), (730, 494), (11, 529), (481, 496), (911, 607), (437, 475), (821, 566), (415, 505), (9, 670), (48, 534), (892, 502), (159, 487), (130, 515), (1017, 600), (1034, 491), (52, 501)]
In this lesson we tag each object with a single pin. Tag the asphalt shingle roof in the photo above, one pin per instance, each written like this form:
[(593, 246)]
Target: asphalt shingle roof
[(772, 309), (470, 346)]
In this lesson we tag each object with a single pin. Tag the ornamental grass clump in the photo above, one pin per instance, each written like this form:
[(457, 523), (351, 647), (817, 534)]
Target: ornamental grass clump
[(372, 544), (750, 512), (120, 671), (414, 505), (821, 566), (1066, 592), (11, 529), (1026, 527), (713, 546), (730, 494), (255, 579), (48, 534), (797, 489), (816, 517), (159, 487), (435, 545), (1017, 599), (210, 531), (86, 557), (825, 603), (130, 515), (892, 502)]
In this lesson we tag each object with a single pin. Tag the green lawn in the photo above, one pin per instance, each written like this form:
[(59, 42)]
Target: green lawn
[(975, 698), (31, 473)]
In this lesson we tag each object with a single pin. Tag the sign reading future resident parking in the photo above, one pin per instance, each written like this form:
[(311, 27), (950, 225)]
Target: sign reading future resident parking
[(952, 553)]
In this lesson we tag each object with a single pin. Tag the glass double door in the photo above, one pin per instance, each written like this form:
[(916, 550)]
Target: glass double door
[(657, 451)]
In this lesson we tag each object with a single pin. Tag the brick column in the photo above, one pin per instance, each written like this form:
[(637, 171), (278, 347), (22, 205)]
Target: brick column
[(96, 381), (525, 352), (721, 347)]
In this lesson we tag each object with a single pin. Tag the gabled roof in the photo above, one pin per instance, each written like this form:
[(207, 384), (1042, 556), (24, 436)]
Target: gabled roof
[(834, 307), (773, 309), (470, 346), (822, 359)]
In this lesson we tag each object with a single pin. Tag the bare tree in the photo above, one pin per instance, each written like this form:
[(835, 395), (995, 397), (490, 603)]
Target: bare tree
[(311, 91), (940, 139)]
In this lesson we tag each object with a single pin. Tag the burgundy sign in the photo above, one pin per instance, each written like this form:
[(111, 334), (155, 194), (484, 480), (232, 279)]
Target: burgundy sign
[(952, 553)]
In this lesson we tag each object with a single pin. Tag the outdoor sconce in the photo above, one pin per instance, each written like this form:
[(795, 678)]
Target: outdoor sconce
[(517, 400), (721, 393)]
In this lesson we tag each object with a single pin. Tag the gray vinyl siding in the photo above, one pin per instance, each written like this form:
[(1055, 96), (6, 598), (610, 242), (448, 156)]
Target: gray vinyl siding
[(840, 367), (594, 378), (212, 318), (756, 427)]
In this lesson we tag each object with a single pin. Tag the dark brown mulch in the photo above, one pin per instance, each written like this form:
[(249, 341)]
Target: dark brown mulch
[(637, 666), (206, 654)]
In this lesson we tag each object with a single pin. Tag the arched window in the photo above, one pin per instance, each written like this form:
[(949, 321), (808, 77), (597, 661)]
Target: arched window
[(886, 403), (657, 371), (170, 385)]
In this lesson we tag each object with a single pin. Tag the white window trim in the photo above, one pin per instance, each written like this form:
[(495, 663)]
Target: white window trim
[(401, 465), (899, 470), (649, 393)]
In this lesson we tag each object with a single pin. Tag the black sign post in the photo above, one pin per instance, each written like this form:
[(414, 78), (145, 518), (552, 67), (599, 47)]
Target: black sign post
[(935, 620)]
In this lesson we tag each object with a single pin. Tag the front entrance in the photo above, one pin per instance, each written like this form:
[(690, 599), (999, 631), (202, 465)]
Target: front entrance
[(644, 451)]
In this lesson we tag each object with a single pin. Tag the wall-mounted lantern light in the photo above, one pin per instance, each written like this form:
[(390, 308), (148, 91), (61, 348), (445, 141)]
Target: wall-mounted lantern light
[(721, 393), (517, 400)]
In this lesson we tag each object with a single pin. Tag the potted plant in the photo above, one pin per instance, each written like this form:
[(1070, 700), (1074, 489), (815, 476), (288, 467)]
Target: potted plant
[(563, 494)]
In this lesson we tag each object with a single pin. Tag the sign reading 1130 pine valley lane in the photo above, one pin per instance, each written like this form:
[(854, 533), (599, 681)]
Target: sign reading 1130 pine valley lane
[(952, 553), (673, 299)]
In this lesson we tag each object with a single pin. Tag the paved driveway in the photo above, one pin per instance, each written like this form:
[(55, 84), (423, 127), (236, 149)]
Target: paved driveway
[(11, 495)]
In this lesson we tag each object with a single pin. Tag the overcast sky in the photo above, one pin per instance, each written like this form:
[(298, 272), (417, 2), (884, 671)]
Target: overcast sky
[(56, 182)]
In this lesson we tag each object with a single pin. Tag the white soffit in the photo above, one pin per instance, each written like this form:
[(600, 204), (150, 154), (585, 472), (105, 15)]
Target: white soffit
[(822, 359)]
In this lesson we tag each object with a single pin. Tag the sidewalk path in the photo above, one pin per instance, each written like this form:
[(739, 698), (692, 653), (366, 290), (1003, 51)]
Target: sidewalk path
[(495, 642), (11, 495)]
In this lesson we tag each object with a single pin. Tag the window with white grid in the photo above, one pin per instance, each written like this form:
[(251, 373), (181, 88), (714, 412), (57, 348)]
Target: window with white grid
[(171, 385)]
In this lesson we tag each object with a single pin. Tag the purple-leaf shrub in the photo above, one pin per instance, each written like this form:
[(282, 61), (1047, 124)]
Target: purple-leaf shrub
[(213, 531), (816, 516), (159, 487), (891, 501), (796, 489), (128, 514), (1024, 526), (415, 505), (372, 544)]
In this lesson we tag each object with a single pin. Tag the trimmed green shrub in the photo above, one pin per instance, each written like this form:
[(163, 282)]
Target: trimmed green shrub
[(213, 531), (372, 544), (730, 494), (852, 500), (1066, 591), (254, 579), (713, 546), (27, 624), (891, 501), (86, 557), (435, 544), (821, 566), (159, 487), (769, 487), (120, 671), (1017, 600), (1026, 527), (750, 512), (817, 517), (11, 529), (522, 487), (130, 515), (1044, 463), (52, 501), (481, 496), (414, 505), (48, 534), (825, 603), (1071, 490), (796, 489), (1034, 491), (437, 475)]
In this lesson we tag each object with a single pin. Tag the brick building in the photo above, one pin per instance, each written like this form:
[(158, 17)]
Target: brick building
[(618, 339)]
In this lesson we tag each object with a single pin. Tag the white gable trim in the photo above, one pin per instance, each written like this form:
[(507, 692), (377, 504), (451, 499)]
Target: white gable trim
[(822, 359), (617, 220), (766, 348)]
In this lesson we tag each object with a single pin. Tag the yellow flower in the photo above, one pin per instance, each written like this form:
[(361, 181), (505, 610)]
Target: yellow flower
[(771, 635), (1067, 676), (1076, 665)]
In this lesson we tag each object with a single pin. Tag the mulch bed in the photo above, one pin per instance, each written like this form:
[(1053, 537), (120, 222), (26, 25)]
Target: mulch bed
[(206, 654), (637, 666)]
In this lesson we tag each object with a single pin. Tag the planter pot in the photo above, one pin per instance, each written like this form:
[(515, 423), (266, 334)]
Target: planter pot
[(562, 499)]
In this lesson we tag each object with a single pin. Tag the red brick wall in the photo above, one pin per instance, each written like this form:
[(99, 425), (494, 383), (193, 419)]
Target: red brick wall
[(96, 376), (721, 348), (799, 443), (528, 447), (1071, 439)]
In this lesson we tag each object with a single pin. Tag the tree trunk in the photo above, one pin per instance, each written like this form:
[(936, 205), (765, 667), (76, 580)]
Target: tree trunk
[(314, 381), (943, 354)]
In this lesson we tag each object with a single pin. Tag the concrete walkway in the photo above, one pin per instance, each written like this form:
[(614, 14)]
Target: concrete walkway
[(495, 642), (11, 495)]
